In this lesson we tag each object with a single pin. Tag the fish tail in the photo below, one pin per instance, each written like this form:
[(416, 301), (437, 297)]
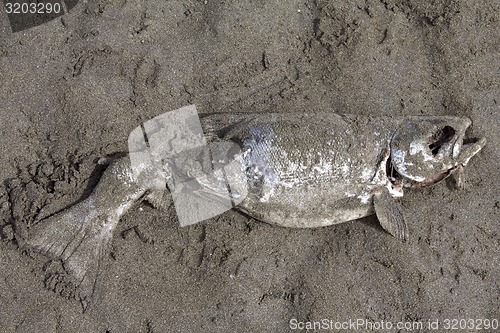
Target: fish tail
[(79, 236)]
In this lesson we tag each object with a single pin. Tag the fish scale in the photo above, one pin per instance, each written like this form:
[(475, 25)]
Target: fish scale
[(302, 167), (324, 150)]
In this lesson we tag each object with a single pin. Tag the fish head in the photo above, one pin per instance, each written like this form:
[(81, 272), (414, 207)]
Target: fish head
[(425, 150)]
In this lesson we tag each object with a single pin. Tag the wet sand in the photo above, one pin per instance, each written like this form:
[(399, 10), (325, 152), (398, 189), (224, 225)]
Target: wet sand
[(74, 88)]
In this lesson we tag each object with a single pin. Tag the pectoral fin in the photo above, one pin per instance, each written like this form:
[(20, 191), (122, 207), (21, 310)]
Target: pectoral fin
[(389, 214)]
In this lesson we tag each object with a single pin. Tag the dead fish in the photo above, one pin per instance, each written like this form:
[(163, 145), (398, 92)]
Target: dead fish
[(301, 170)]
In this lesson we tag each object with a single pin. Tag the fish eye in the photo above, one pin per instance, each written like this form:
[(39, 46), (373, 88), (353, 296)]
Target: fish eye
[(441, 136)]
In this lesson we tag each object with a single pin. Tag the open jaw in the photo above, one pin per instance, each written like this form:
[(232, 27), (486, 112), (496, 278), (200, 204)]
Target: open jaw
[(468, 148), (460, 150), (399, 180), (426, 150)]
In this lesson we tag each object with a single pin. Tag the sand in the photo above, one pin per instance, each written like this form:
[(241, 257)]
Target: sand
[(73, 89)]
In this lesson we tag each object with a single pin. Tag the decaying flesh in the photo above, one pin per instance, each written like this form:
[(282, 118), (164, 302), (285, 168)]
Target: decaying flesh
[(302, 170)]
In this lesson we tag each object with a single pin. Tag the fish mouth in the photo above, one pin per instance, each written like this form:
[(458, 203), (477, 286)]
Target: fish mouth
[(441, 138), (426, 151), (398, 180), (469, 148), (431, 180), (463, 150)]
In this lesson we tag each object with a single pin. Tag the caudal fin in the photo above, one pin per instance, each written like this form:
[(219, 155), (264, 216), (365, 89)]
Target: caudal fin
[(79, 236)]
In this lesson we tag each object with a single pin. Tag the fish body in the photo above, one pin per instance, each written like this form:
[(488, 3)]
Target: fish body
[(311, 170), (298, 170)]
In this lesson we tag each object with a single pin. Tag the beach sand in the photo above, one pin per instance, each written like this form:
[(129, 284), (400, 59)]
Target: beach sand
[(74, 88)]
